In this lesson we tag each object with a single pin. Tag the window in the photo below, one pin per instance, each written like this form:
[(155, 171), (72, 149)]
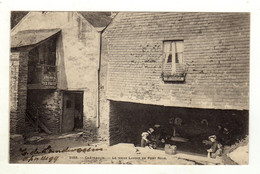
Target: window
[(173, 69)]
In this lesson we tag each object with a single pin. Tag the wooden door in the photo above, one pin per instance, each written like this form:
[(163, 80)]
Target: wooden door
[(68, 112), (78, 115)]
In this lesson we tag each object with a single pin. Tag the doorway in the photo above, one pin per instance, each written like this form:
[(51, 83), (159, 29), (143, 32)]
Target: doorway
[(72, 117)]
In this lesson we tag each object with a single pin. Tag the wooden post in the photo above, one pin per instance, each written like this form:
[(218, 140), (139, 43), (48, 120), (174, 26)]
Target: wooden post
[(37, 120)]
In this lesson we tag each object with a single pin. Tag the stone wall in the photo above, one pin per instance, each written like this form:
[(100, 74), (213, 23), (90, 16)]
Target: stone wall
[(18, 91), (49, 103), (77, 54), (216, 55)]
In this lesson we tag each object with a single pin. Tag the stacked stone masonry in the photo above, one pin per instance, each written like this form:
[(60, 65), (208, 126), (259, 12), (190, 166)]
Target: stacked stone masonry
[(77, 53), (18, 91), (49, 104)]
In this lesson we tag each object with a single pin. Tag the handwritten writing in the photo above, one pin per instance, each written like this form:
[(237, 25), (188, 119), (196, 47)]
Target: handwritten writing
[(49, 149), (41, 158)]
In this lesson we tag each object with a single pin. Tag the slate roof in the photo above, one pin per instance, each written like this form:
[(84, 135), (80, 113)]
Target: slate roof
[(31, 37), (97, 19)]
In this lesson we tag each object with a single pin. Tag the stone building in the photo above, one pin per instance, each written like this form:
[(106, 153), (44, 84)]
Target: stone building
[(157, 66), (54, 71), (122, 77)]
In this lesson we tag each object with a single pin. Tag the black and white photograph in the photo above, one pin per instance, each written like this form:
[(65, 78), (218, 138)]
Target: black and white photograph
[(157, 88)]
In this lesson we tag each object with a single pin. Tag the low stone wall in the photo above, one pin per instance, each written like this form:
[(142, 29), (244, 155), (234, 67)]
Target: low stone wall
[(50, 107)]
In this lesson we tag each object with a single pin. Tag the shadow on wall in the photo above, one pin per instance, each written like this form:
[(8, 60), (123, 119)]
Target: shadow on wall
[(48, 104), (129, 120), (61, 74), (90, 129)]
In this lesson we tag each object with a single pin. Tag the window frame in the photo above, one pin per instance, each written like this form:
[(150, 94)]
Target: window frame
[(174, 51)]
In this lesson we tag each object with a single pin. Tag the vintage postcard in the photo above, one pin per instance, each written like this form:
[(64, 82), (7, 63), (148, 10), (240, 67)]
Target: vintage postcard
[(161, 88)]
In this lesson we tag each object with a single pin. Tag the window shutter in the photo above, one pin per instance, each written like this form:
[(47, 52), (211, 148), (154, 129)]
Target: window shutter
[(167, 47), (179, 50)]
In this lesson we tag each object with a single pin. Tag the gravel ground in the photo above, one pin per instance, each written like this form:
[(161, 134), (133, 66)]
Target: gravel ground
[(76, 150)]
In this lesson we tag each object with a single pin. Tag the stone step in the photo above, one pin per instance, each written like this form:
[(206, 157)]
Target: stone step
[(198, 158)]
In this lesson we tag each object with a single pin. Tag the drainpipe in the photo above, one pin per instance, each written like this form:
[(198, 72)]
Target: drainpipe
[(98, 80)]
